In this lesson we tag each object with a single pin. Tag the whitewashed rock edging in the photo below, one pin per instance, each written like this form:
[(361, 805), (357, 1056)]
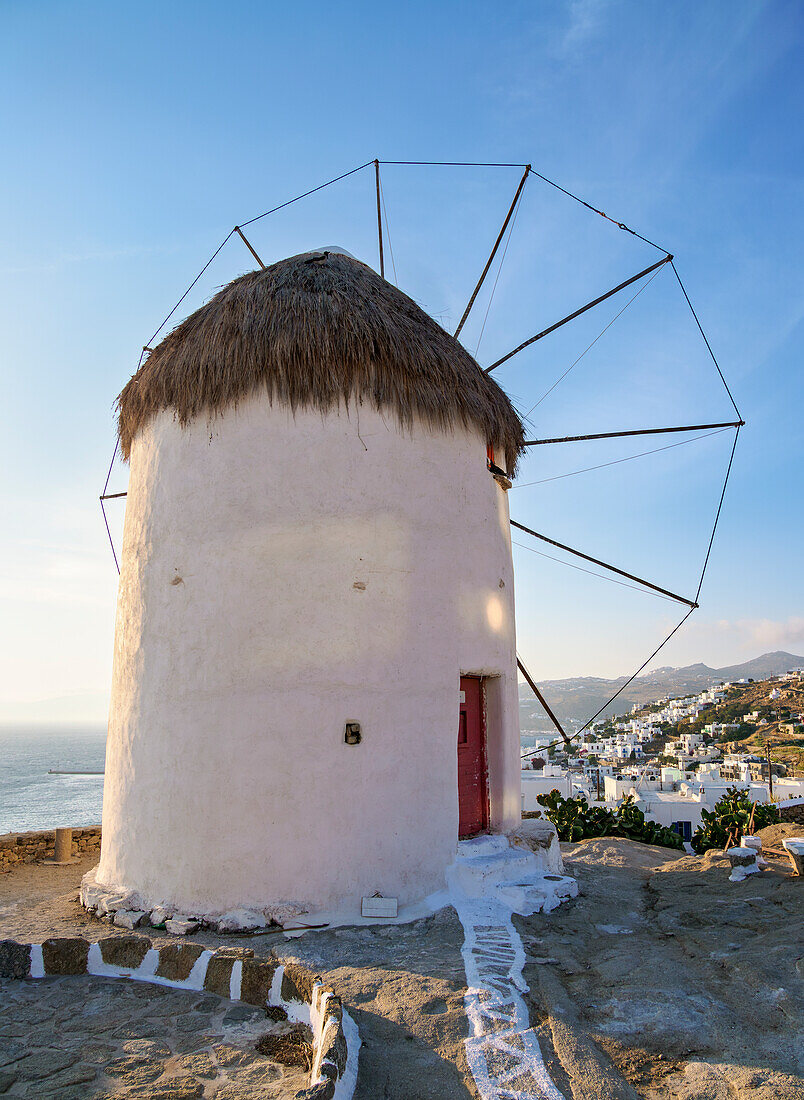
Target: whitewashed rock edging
[(336, 1040), (743, 862)]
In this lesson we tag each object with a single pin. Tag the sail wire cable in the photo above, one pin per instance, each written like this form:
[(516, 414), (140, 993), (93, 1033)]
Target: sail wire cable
[(533, 172), (591, 572), (634, 676), (312, 191), (103, 494), (600, 334), (705, 339), (717, 515), (250, 221), (499, 270), (453, 163), (214, 255), (627, 229), (619, 691), (594, 209), (192, 284), (603, 564), (111, 464), (675, 629), (388, 234), (109, 533), (616, 461)]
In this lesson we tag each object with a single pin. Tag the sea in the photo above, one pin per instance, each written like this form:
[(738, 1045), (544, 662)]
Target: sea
[(30, 798)]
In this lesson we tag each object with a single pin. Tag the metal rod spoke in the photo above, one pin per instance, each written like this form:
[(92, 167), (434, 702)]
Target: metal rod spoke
[(242, 236), (589, 305), (490, 260), (636, 431), (542, 700), (379, 217), (603, 564)]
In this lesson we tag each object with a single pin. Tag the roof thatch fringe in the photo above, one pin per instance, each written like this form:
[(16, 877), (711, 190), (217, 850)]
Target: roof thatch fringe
[(312, 331)]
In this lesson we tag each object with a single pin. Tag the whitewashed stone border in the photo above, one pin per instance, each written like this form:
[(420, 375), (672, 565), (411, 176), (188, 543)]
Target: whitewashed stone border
[(228, 972)]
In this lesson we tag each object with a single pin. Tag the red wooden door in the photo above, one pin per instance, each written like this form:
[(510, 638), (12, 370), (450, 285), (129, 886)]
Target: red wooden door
[(473, 796)]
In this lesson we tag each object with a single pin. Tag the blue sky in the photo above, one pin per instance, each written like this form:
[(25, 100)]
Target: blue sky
[(136, 137)]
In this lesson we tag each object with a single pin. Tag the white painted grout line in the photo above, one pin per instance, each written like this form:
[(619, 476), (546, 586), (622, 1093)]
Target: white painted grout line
[(345, 1086), (37, 961), (235, 980), (275, 996), (195, 979)]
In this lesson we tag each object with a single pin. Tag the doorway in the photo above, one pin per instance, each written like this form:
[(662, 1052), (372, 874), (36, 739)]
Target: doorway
[(473, 788)]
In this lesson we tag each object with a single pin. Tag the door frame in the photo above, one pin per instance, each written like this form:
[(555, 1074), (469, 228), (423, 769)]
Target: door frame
[(484, 758)]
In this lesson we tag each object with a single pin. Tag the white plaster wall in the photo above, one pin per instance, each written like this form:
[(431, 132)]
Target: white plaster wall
[(666, 812), (242, 646)]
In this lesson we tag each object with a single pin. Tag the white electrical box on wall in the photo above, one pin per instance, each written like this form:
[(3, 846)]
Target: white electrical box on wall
[(379, 907)]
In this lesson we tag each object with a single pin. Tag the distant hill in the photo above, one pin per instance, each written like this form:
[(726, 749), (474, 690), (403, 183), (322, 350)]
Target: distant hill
[(581, 696)]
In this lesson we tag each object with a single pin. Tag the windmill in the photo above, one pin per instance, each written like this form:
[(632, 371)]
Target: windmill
[(639, 280)]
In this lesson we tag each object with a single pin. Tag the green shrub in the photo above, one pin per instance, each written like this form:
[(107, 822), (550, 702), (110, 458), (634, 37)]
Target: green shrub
[(731, 815), (575, 819)]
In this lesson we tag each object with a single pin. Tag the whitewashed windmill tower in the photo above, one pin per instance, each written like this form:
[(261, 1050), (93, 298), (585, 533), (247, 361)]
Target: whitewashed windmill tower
[(316, 593)]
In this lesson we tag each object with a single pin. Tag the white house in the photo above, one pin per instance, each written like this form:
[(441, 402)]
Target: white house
[(550, 778)]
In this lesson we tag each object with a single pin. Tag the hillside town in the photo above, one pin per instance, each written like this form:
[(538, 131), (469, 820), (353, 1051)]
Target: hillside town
[(679, 756)]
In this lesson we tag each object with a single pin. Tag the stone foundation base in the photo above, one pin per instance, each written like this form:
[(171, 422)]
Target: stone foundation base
[(129, 909)]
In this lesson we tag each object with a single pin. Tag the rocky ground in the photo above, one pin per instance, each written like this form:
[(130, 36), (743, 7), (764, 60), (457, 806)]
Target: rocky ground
[(76, 1038), (662, 979), (665, 980)]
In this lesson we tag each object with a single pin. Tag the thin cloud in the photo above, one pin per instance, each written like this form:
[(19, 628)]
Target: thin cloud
[(585, 18)]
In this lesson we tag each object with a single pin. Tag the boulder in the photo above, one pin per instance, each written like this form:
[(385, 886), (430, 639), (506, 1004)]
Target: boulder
[(256, 981), (65, 955), (124, 951), (539, 836), (181, 926), (176, 960), (128, 918), (219, 974), (323, 1091), (241, 920), (15, 959), (297, 983), (794, 846)]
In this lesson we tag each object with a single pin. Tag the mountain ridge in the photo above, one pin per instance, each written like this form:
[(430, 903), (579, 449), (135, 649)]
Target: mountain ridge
[(578, 697)]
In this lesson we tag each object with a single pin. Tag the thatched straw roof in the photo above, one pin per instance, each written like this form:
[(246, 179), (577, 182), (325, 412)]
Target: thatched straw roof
[(311, 331)]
